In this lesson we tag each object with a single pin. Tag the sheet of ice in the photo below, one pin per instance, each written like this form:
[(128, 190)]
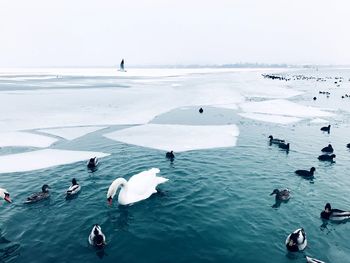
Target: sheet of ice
[(318, 120), (25, 139), (35, 160), (178, 138), (270, 118), (284, 108), (71, 133)]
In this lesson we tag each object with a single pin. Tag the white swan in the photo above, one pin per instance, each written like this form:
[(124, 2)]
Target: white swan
[(139, 187), (96, 237), (5, 195)]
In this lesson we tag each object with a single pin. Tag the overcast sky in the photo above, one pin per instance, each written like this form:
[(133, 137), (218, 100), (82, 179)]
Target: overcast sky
[(39, 33)]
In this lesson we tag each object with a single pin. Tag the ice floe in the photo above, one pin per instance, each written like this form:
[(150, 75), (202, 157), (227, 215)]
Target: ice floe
[(178, 138), (71, 133), (270, 118), (283, 108), (40, 159), (25, 139)]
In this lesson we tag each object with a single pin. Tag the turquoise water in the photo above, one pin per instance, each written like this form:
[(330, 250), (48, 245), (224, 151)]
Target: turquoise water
[(216, 206)]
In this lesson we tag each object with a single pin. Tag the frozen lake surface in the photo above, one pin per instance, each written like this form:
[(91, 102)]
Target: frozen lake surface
[(216, 206)]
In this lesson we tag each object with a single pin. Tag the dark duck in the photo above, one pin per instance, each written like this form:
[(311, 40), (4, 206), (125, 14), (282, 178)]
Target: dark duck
[(326, 157), (92, 163), (36, 197), (326, 129), (334, 214), (170, 155), (306, 173), (275, 140), (328, 149)]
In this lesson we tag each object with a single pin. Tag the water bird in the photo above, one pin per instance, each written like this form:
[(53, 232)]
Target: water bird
[(92, 163), (122, 66), (170, 155), (284, 146), (36, 197), (139, 187), (326, 157), (328, 149), (96, 237), (296, 241), (314, 98), (74, 188), (275, 140), (4, 194), (334, 214), (306, 173), (313, 260), (326, 129), (348, 145), (281, 195), (201, 110)]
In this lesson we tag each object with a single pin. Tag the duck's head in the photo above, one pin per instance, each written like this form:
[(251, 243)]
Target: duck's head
[(329, 126), (110, 200), (328, 208), (5, 195), (98, 241), (330, 145), (313, 169), (270, 137), (275, 192), (74, 181), (333, 156), (45, 188)]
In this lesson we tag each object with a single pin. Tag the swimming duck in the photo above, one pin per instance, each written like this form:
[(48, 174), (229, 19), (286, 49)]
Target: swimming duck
[(296, 241), (281, 195), (200, 110), (44, 194), (96, 237), (334, 214), (170, 155), (284, 146), (74, 188), (328, 149), (92, 163), (272, 140), (327, 129), (5, 195), (139, 187), (326, 157), (313, 260), (306, 173)]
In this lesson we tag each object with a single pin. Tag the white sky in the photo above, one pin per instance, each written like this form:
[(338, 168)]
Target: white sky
[(39, 33)]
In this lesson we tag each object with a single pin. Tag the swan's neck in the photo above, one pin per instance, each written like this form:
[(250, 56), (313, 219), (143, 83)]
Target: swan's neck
[(120, 182)]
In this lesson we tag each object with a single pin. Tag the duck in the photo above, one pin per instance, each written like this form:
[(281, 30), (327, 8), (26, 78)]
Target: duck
[(306, 173), (296, 241), (326, 128), (36, 197), (74, 188), (139, 187), (348, 145), (313, 260), (314, 98), (170, 155), (92, 163), (328, 149), (281, 195), (284, 146), (96, 237), (334, 214), (201, 110), (272, 140), (326, 157), (4, 194)]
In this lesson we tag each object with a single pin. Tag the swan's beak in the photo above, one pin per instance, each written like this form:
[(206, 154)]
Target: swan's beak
[(109, 200), (7, 198)]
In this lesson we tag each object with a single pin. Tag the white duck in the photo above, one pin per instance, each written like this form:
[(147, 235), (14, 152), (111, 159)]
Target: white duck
[(96, 237), (139, 187), (5, 195), (74, 188)]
